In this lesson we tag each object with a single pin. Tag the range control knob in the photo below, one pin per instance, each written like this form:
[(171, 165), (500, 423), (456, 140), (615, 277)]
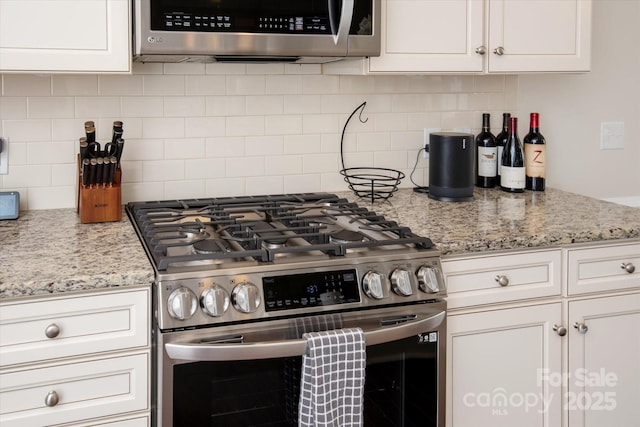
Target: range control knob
[(182, 304), (214, 301), (375, 285), (428, 279), (403, 282), (246, 297)]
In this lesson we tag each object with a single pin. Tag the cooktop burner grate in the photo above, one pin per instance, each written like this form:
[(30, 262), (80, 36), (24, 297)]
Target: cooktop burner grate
[(219, 232)]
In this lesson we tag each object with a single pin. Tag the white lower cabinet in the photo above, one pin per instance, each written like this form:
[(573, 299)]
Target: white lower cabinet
[(497, 365), (545, 338), (81, 359), (603, 375)]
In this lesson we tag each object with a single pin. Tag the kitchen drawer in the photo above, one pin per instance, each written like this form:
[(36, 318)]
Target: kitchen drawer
[(87, 324), (473, 280), (135, 421), (84, 390), (602, 268)]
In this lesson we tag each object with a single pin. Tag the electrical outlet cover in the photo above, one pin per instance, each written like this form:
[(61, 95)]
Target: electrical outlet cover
[(427, 132), (612, 135)]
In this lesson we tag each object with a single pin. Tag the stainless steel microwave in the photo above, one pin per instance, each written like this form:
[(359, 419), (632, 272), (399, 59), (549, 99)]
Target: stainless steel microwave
[(296, 31)]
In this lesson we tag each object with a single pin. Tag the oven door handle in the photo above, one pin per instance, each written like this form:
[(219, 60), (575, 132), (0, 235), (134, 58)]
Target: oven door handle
[(196, 351)]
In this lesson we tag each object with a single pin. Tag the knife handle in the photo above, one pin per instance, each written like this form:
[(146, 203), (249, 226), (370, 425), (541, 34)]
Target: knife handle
[(90, 131), (106, 167), (119, 148), (85, 172), (113, 163), (117, 132), (93, 165), (83, 148), (99, 168)]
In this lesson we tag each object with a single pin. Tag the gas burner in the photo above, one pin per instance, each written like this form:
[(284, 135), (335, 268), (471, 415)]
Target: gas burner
[(271, 237), (347, 236), (210, 246), (181, 235)]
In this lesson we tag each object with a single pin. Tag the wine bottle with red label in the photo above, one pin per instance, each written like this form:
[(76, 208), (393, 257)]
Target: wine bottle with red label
[(535, 156)]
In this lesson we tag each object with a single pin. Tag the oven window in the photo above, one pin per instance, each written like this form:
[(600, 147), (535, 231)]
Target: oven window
[(400, 389)]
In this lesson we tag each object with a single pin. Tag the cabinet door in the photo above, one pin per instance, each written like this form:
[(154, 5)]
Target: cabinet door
[(604, 362), (539, 35), (430, 36), (498, 362), (65, 35)]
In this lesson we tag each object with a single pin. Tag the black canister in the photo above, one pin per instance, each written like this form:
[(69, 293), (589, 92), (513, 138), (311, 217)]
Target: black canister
[(451, 166)]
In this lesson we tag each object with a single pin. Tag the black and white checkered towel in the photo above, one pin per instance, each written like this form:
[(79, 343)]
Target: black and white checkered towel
[(332, 382)]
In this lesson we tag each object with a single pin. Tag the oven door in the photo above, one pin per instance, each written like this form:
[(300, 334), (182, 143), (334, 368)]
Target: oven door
[(249, 375)]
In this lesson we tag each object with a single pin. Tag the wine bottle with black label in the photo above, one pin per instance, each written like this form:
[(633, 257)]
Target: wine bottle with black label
[(486, 155), (535, 156), (513, 173), (501, 141)]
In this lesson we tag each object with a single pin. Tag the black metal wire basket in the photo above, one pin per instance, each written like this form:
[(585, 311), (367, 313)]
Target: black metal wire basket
[(369, 182), (373, 183)]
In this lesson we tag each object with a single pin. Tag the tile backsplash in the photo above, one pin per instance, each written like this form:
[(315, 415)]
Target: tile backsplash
[(202, 130)]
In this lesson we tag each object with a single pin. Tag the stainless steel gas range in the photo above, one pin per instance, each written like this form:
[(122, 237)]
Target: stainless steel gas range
[(239, 279)]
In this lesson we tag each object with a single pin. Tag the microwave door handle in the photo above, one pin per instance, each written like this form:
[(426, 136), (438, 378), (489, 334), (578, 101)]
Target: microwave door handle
[(341, 30), (201, 352)]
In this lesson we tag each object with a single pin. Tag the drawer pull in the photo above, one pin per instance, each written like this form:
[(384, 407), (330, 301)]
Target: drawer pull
[(561, 330), (502, 280), (51, 399), (581, 327), (628, 267), (52, 331)]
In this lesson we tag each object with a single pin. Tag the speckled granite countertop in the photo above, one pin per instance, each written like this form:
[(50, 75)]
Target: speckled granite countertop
[(50, 251), (496, 220), (47, 252)]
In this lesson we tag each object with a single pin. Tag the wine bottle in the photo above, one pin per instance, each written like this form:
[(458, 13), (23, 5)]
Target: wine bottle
[(534, 156), (501, 141), (486, 155), (513, 173)]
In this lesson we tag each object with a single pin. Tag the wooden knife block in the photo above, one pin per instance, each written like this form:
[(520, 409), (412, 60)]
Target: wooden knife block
[(99, 203)]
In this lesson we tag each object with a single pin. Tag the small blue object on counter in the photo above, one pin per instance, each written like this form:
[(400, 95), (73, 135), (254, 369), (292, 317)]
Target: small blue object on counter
[(9, 205)]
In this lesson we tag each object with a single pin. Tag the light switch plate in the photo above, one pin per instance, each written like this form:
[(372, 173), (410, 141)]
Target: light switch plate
[(612, 135)]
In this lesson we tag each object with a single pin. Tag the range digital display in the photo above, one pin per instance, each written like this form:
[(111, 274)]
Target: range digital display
[(310, 290)]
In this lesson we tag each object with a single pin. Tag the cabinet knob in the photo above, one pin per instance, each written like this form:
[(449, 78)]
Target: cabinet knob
[(52, 399), (561, 330), (499, 51), (628, 267), (581, 327), (52, 331), (481, 50), (502, 280)]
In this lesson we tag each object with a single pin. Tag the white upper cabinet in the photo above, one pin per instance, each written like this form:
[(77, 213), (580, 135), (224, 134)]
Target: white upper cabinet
[(539, 35), (474, 36), (72, 36), (430, 35)]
